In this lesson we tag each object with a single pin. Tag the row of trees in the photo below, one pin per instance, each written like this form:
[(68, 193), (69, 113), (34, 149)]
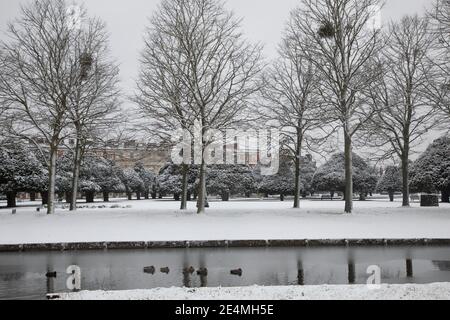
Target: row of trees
[(430, 173), (57, 81), (230, 180), (23, 172), (337, 73)]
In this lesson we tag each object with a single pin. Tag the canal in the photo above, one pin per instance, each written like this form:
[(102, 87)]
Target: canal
[(23, 275)]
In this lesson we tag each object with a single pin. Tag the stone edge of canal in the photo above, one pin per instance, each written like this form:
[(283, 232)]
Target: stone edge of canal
[(219, 244)]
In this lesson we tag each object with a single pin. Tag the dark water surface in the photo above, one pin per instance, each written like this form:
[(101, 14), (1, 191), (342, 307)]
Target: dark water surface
[(23, 275)]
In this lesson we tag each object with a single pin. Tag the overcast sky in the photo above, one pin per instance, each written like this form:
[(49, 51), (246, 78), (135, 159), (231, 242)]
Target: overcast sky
[(263, 21)]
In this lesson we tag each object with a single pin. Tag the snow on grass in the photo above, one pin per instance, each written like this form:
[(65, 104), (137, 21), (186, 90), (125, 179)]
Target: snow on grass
[(161, 220), (436, 291)]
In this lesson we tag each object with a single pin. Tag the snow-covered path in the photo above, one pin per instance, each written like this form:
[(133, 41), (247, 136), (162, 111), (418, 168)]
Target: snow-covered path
[(150, 220), (437, 291)]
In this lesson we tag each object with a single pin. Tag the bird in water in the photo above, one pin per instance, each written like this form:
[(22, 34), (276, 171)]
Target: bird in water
[(236, 272), (165, 270), (189, 270), (150, 270), (202, 272)]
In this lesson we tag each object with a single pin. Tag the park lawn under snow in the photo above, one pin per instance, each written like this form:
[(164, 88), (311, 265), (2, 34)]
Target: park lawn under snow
[(436, 291), (161, 220)]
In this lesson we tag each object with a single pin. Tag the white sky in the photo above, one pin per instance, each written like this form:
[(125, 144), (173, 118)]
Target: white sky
[(263, 21)]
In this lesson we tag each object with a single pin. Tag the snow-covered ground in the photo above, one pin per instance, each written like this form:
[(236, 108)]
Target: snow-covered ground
[(153, 220), (437, 291)]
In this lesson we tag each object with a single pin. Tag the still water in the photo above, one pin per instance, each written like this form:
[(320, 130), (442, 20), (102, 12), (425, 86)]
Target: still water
[(23, 275)]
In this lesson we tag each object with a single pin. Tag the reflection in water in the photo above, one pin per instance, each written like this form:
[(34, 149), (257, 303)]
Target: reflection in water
[(50, 285), (50, 278), (442, 265), (351, 272), (203, 271), (409, 268), (11, 276), (186, 279), (203, 279), (300, 274), (23, 274), (186, 271)]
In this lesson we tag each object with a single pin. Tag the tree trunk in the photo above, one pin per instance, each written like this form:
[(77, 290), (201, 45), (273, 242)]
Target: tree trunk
[(225, 196), (298, 157), (297, 185), (44, 197), (130, 196), (445, 196), (201, 201), (138, 195), (11, 199), (153, 195), (52, 180), (189, 196), (90, 197), (146, 195), (348, 173), (68, 196), (184, 187), (32, 196), (105, 196), (391, 196), (75, 174), (405, 178)]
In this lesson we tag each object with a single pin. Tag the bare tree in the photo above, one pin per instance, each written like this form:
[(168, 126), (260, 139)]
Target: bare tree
[(439, 88), (215, 64), (340, 43), (290, 97), (404, 112), (93, 103), (161, 93), (39, 73), (440, 14), (3, 104)]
